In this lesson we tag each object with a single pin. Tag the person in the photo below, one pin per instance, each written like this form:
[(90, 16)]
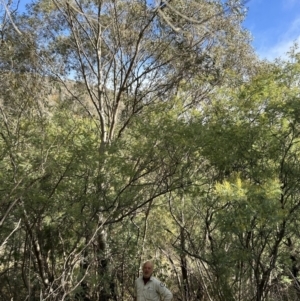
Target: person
[(149, 288)]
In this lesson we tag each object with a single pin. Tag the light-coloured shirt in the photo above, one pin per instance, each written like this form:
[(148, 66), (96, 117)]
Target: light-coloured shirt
[(153, 290)]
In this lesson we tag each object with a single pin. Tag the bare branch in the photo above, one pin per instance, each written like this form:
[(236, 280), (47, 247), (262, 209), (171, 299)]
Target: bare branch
[(10, 17)]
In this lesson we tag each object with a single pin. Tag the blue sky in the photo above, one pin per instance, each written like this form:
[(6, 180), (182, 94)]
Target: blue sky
[(274, 25)]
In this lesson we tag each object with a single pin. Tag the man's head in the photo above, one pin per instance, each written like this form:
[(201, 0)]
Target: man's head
[(147, 269)]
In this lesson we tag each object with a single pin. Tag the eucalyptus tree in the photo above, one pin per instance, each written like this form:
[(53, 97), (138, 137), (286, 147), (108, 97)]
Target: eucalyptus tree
[(117, 64), (125, 57)]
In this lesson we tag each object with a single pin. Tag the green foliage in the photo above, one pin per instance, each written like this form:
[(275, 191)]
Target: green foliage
[(123, 140)]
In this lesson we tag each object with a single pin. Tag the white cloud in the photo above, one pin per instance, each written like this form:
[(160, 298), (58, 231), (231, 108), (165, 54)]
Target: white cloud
[(279, 50), (290, 3), (284, 44)]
